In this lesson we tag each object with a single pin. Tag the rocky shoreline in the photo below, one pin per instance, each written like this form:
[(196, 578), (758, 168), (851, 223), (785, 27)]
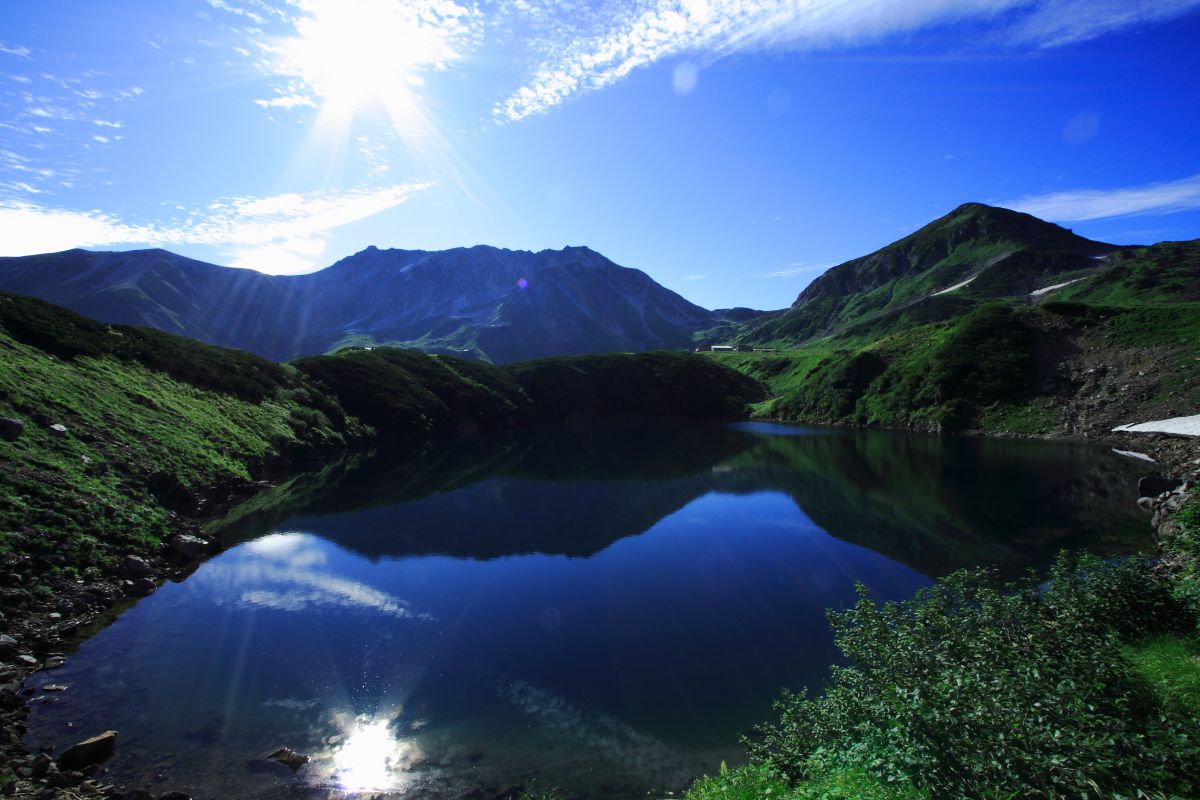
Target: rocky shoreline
[(42, 630)]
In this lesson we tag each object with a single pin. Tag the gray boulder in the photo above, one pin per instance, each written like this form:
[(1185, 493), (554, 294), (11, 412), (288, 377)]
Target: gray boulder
[(1154, 485), (289, 758), (89, 751), (134, 567), (187, 547), (142, 587)]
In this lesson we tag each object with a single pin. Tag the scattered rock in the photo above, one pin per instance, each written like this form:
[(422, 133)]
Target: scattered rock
[(134, 567), (187, 546), (8, 645), (58, 429), (288, 757), (41, 765), (89, 751), (54, 662), (54, 687), (174, 796), (11, 429), (142, 587), (1154, 485)]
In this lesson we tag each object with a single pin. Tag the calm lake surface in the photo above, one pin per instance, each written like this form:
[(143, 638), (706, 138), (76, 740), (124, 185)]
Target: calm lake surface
[(603, 609)]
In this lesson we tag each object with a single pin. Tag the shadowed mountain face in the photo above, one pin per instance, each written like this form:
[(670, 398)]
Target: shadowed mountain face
[(500, 304), (935, 504), (975, 252)]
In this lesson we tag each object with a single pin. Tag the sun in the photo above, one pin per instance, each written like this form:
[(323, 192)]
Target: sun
[(357, 55)]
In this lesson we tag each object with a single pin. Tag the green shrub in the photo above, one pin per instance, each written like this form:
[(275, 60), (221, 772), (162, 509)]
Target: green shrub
[(978, 690), (989, 357)]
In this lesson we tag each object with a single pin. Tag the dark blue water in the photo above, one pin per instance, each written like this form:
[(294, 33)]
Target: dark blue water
[(602, 610)]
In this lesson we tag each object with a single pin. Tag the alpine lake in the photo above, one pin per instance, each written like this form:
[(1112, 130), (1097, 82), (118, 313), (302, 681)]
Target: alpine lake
[(598, 609)]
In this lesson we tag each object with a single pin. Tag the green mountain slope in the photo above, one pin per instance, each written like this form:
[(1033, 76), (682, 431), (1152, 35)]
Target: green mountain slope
[(155, 429), (975, 252), (988, 319)]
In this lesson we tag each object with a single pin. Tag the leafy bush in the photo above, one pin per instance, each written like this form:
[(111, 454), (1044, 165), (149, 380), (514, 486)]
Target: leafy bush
[(760, 782), (978, 690), (1181, 551)]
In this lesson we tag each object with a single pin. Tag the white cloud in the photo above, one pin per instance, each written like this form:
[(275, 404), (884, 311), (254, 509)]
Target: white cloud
[(694, 277), (1077, 205), (15, 50), (797, 270), (279, 234), (1055, 23), (221, 5), (287, 101), (584, 58)]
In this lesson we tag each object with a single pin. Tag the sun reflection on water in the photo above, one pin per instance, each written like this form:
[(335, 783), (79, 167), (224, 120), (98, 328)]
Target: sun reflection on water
[(372, 759)]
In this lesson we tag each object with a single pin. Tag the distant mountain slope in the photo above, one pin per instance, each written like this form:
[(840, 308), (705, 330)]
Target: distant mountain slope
[(503, 305), (974, 252)]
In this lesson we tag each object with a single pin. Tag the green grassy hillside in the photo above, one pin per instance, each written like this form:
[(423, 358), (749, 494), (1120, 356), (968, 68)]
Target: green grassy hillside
[(154, 425), (1062, 368), (159, 427)]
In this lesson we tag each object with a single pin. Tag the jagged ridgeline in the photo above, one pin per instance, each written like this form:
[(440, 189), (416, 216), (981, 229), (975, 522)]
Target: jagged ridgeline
[(481, 302), (989, 319), (112, 428)]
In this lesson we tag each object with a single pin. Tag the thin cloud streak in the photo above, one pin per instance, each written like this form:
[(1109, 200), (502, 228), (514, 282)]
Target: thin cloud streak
[(278, 234), (796, 270), (1078, 205), (637, 34)]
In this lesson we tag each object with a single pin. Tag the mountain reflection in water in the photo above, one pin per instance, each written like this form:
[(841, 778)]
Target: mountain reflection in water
[(603, 609)]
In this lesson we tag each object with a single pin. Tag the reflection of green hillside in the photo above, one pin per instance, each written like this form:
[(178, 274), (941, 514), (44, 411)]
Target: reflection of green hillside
[(571, 491), (938, 504), (934, 504)]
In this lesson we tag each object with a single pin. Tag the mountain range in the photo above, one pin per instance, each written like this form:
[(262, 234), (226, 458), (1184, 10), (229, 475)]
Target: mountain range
[(501, 305), (506, 306)]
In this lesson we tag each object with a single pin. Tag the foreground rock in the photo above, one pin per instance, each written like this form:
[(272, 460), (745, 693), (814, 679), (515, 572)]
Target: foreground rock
[(289, 758), (1154, 485), (90, 751)]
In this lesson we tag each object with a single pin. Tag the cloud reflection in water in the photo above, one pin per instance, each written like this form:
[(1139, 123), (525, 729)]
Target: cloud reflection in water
[(283, 572)]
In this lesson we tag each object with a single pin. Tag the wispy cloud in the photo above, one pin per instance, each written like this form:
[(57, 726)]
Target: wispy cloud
[(1062, 22), (693, 277), (797, 270), (51, 119), (609, 46), (280, 234), (15, 50), (1077, 205)]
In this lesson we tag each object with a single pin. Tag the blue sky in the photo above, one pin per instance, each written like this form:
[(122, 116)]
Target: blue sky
[(732, 149)]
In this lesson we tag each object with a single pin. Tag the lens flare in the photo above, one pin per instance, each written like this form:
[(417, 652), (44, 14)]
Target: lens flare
[(522, 284)]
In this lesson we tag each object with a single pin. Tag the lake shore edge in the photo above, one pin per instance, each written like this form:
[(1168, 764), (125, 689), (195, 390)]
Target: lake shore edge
[(49, 637)]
